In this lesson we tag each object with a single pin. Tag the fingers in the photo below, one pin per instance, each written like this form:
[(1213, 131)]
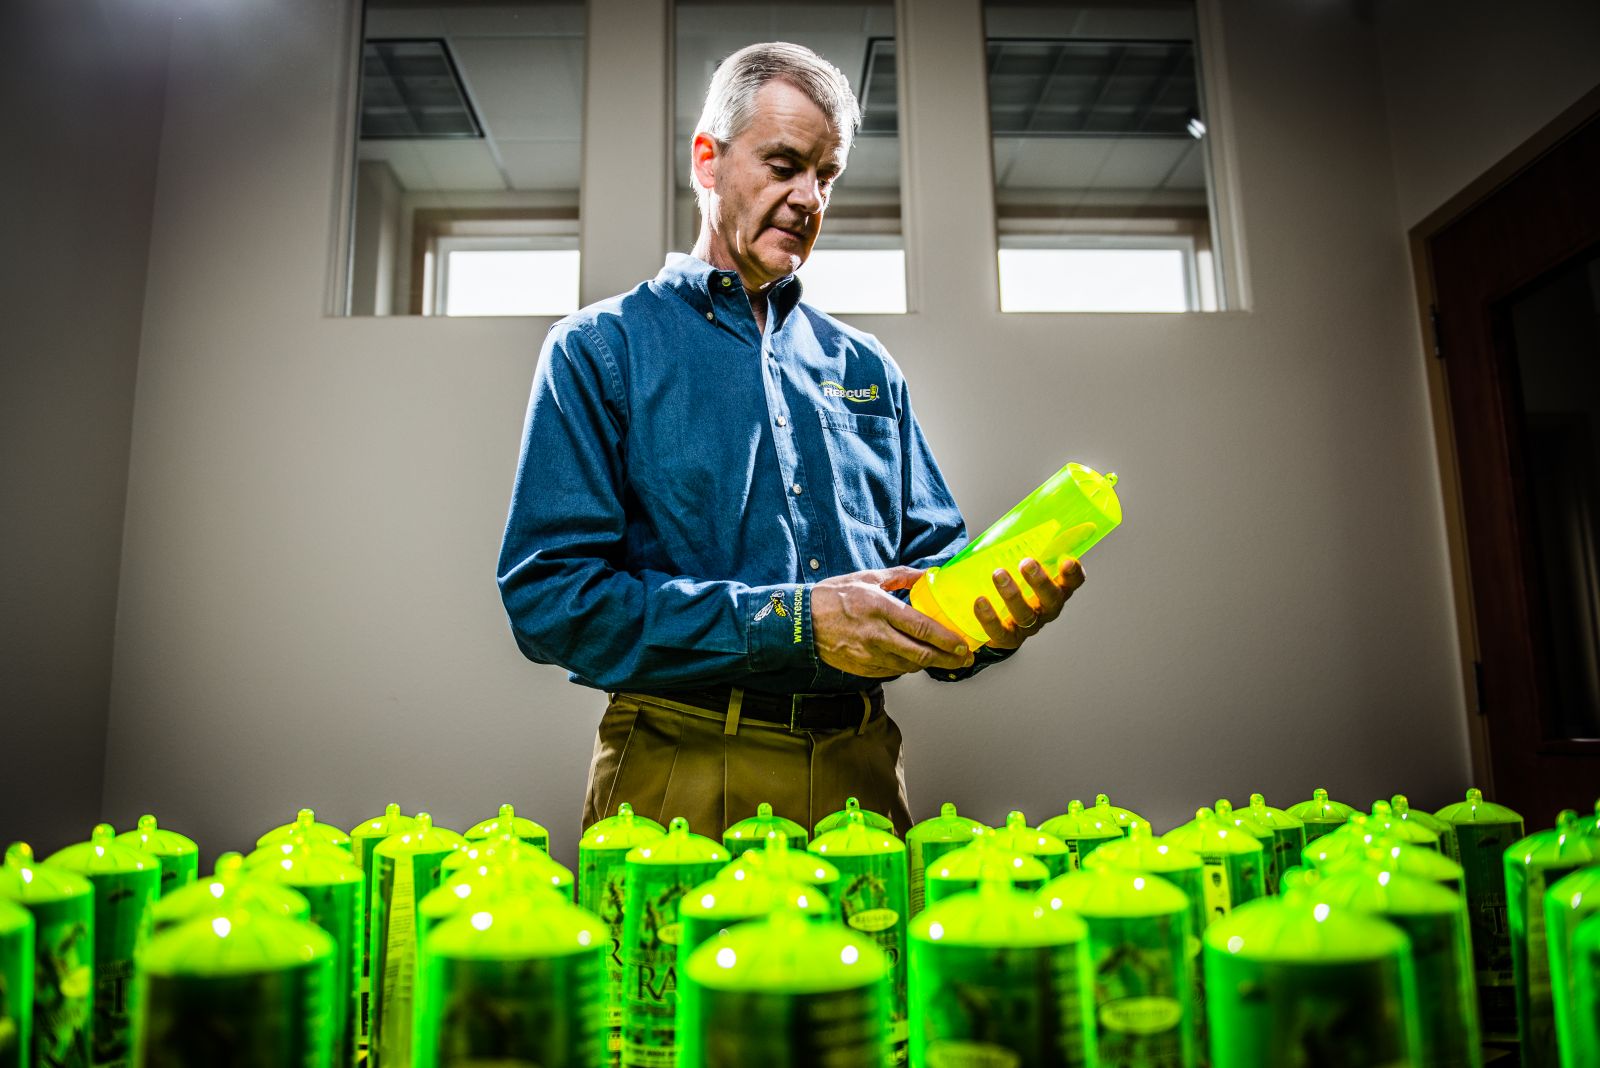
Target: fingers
[(1051, 594), (1001, 635), (927, 631), (893, 578), (892, 653), (1071, 575), (919, 641), (1051, 597), (860, 628), (1027, 614), (871, 634), (912, 658)]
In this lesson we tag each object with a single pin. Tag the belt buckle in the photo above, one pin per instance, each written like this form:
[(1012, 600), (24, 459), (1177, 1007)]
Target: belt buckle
[(794, 710)]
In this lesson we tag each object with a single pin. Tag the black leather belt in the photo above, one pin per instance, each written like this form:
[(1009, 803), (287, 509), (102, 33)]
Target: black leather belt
[(796, 711)]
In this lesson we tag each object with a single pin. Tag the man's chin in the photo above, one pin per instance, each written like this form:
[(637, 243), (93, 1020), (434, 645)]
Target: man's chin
[(785, 253), (778, 266)]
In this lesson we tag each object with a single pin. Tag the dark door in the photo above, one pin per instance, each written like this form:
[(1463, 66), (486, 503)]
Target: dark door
[(1517, 285)]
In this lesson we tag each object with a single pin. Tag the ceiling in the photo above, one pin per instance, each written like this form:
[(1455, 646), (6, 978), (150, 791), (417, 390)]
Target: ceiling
[(521, 67), (1073, 125)]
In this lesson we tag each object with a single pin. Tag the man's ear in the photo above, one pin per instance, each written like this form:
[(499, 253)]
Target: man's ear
[(703, 160)]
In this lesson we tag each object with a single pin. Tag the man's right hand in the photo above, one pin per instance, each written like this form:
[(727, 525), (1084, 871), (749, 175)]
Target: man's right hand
[(860, 628)]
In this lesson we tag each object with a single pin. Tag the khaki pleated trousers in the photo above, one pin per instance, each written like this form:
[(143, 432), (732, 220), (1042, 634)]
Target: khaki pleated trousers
[(668, 759)]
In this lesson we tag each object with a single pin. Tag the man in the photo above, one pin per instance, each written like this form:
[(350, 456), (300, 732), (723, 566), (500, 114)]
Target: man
[(722, 489)]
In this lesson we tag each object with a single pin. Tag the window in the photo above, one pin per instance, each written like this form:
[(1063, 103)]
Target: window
[(466, 199), (855, 280), (1100, 158), (1112, 274), (505, 276), (858, 264)]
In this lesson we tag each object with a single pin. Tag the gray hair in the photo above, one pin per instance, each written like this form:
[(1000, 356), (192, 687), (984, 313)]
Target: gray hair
[(731, 97)]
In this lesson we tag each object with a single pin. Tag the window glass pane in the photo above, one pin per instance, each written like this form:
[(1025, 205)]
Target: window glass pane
[(471, 123), (510, 282), (1092, 279), (855, 280), (1100, 144), (863, 216)]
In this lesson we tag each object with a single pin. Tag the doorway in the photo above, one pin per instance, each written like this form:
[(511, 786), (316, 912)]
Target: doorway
[(1515, 281)]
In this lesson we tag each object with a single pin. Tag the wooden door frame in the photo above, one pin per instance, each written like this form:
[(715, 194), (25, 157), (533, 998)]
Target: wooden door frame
[(1586, 107)]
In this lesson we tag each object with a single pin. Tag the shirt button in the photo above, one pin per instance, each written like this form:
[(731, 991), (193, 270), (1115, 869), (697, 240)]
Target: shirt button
[(782, 421), (796, 488), (815, 564), (710, 316), (726, 281)]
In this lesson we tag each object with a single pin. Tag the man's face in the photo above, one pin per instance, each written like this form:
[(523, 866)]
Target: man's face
[(769, 186)]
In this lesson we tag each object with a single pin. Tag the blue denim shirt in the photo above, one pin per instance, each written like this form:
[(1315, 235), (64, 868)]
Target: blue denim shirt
[(685, 476)]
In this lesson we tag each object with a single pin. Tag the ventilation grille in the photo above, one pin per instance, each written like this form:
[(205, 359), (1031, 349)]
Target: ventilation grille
[(1061, 89), (410, 89)]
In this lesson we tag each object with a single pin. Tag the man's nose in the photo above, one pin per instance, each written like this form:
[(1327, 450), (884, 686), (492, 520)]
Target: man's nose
[(806, 193)]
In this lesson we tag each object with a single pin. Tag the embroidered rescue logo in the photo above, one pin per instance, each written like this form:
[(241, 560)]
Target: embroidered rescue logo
[(774, 605), (854, 396)]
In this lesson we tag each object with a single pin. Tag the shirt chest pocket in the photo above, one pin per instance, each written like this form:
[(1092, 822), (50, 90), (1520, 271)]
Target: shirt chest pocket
[(865, 453)]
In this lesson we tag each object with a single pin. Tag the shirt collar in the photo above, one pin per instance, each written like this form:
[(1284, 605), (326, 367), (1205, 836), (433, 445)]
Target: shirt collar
[(695, 280)]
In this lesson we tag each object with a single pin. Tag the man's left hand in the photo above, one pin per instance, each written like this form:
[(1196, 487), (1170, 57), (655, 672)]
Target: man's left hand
[(1029, 614)]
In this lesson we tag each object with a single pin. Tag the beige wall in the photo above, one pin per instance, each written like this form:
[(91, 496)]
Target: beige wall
[(1470, 80), (308, 612), (82, 86)]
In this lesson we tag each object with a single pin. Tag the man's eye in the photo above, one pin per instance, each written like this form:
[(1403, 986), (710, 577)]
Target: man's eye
[(781, 172)]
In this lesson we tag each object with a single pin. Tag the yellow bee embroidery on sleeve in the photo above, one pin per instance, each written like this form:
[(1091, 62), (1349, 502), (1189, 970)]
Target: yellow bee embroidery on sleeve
[(774, 605)]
